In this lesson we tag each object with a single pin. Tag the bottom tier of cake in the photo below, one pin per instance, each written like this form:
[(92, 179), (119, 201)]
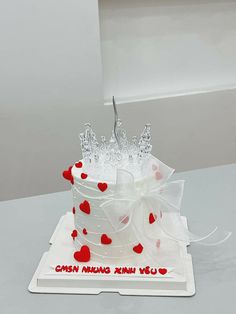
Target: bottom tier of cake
[(58, 272)]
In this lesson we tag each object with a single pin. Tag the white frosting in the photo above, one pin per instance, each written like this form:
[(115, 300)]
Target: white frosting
[(96, 223)]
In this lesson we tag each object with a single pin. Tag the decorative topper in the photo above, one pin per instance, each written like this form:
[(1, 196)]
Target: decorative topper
[(118, 149)]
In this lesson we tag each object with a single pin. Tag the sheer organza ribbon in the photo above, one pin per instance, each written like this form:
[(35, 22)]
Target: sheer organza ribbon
[(133, 201)]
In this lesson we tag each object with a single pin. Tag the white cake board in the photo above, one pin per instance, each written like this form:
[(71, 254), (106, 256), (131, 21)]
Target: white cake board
[(61, 250)]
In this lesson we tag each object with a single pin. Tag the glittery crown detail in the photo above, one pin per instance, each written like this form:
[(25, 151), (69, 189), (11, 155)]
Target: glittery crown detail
[(118, 149)]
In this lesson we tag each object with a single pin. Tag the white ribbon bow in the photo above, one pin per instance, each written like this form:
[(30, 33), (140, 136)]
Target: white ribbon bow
[(133, 201)]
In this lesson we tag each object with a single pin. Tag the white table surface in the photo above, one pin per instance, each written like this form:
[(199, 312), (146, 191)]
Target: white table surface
[(26, 226)]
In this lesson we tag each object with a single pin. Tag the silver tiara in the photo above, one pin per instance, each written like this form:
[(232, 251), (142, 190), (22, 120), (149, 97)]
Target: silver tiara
[(119, 148)]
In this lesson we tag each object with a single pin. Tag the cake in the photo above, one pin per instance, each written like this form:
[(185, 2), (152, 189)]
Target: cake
[(125, 232), (122, 203)]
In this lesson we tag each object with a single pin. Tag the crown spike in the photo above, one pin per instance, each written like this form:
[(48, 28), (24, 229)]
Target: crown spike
[(144, 143), (118, 149)]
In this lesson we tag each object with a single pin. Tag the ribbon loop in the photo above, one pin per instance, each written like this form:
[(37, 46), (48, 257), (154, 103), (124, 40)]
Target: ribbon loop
[(133, 201)]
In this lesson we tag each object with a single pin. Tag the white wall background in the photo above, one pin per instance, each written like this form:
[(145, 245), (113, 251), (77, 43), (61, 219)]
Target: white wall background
[(51, 83), (156, 48)]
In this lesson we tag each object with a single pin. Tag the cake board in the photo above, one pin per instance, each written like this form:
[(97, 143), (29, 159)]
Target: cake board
[(46, 280)]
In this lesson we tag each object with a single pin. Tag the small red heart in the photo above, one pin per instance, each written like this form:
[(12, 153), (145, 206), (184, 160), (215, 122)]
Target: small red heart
[(74, 234), (124, 219), (152, 218), (158, 175), (162, 271), (105, 239), (83, 255), (158, 243), (73, 210), (102, 186), (85, 231), (79, 164), (85, 207), (138, 248), (83, 175), (67, 174)]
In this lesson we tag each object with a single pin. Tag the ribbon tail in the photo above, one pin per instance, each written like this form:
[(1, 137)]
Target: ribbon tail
[(175, 227), (215, 237), (169, 201)]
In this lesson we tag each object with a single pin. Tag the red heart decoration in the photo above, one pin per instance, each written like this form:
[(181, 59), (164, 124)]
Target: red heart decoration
[(158, 175), (158, 243), (105, 239), (83, 255), (79, 164), (83, 175), (73, 210), (74, 234), (162, 271), (85, 231), (67, 174), (124, 219), (85, 207), (138, 248), (102, 186), (152, 218)]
